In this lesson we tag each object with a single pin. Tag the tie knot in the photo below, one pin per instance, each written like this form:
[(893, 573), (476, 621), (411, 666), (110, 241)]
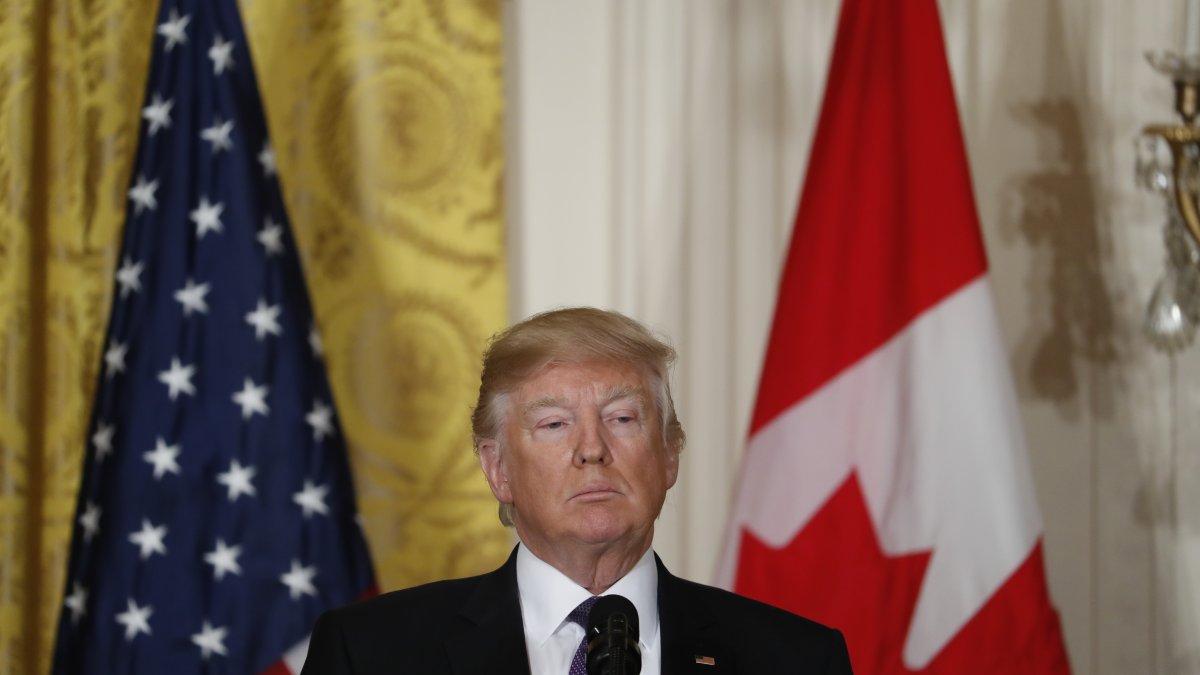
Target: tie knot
[(579, 615)]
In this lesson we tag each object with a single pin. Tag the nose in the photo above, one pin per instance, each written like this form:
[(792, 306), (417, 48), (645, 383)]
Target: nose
[(592, 447)]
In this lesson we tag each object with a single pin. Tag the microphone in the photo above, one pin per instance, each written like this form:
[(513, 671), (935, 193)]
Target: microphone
[(612, 635)]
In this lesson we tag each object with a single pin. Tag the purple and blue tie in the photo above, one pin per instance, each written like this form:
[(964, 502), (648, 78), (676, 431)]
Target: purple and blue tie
[(579, 615)]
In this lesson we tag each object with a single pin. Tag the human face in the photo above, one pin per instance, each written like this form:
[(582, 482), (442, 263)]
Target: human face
[(581, 459)]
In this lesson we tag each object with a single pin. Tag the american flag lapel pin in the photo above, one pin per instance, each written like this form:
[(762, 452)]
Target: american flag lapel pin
[(705, 660)]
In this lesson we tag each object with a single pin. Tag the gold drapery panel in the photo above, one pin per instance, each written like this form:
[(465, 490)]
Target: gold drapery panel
[(386, 117)]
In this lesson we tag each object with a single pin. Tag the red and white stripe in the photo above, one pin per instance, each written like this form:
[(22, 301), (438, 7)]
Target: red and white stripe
[(292, 662)]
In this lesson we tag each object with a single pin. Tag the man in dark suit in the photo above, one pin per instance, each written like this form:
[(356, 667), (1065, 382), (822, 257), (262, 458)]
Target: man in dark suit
[(578, 438)]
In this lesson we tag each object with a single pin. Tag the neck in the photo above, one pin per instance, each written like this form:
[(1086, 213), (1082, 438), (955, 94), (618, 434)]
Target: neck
[(595, 567)]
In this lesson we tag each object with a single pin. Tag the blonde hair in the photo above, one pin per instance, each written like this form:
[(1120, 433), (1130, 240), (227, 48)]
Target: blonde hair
[(571, 335)]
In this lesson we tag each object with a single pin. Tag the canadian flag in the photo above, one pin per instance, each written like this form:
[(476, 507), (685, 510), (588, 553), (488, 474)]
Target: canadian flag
[(886, 489)]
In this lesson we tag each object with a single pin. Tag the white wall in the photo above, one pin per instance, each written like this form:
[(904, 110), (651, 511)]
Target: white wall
[(656, 152)]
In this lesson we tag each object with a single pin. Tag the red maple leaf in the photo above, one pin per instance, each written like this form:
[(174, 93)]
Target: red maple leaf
[(835, 572)]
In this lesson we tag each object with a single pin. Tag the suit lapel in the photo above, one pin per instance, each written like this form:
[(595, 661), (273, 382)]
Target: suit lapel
[(492, 639), (689, 639)]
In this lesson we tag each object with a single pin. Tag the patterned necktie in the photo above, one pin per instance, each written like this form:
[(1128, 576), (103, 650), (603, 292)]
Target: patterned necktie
[(579, 615)]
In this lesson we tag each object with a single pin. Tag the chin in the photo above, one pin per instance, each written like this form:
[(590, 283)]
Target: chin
[(606, 530)]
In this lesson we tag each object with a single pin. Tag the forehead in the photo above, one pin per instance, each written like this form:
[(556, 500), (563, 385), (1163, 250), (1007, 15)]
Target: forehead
[(570, 381)]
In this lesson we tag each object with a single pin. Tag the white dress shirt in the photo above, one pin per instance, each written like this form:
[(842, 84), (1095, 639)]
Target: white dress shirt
[(548, 596)]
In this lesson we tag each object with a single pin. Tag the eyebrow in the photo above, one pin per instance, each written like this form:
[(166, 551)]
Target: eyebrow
[(626, 391), (613, 394), (544, 402)]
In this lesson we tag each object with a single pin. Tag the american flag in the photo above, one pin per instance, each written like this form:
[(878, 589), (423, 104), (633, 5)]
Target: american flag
[(216, 515)]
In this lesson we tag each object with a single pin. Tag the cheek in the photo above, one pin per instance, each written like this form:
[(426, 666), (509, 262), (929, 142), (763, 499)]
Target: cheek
[(653, 461), (531, 477)]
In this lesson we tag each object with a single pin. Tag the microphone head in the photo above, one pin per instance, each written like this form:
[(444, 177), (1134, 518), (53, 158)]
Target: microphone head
[(612, 634), (609, 607)]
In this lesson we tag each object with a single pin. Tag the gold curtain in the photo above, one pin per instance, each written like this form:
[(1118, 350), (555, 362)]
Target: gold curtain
[(386, 117)]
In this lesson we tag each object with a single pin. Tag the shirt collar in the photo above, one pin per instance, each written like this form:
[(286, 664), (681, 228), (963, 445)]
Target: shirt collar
[(548, 595)]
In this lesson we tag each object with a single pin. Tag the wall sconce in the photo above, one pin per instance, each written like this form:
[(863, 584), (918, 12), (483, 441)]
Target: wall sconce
[(1168, 163)]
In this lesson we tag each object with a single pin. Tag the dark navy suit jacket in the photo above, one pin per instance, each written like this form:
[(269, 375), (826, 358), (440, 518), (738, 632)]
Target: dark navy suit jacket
[(473, 626)]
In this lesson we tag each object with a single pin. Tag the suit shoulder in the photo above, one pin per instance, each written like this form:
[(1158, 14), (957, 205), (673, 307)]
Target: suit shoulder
[(420, 603), (728, 604), (762, 638), (376, 634)]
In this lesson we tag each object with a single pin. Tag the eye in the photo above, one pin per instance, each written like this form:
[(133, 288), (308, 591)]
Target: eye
[(623, 418), (553, 424)]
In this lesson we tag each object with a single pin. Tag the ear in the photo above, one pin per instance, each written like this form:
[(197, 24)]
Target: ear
[(672, 459), (491, 459)]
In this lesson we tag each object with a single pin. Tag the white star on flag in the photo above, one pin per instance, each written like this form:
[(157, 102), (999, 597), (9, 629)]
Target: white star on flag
[(207, 217), (224, 559), (129, 277), (271, 237), (221, 53), (114, 359), (320, 418), (210, 640), (149, 539), (312, 499), (267, 158), (89, 520), (237, 479), (174, 30), (299, 580), (178, 378), (265, 319), (191, 296), (252, 398), (314, 342), (218, 135), (163, 457), (142, 195), (77, 602), (158, 114), (135, 619), (102, 439)]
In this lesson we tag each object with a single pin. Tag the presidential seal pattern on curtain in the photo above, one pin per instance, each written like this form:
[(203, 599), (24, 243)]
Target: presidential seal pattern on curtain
[(68, 127), (386, 117), (387, 123)]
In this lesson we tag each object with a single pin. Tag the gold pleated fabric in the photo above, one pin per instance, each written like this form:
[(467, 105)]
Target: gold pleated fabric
[(386, 117)]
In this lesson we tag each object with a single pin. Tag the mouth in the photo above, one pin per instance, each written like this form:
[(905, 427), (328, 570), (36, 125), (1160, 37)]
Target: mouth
[(595, 491)]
